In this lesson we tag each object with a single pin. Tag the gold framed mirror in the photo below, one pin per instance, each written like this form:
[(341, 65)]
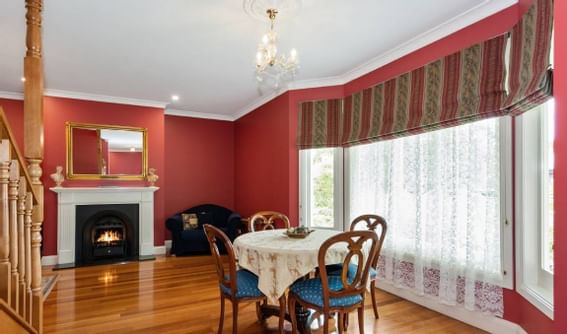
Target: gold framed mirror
[(96, 152)]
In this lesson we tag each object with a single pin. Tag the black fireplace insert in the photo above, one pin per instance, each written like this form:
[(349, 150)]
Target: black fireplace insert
[(106, 233)]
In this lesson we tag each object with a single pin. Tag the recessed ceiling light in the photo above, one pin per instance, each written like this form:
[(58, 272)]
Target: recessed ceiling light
[(174, 97), (23, 79)]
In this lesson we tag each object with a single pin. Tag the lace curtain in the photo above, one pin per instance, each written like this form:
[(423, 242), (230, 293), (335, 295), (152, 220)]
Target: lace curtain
[(440, 194)]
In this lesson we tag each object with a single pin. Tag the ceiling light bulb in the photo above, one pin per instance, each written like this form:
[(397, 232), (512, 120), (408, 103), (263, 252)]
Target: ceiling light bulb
[(132, 149), (293, 54), (23, 79), (265, 39), (175, 97)]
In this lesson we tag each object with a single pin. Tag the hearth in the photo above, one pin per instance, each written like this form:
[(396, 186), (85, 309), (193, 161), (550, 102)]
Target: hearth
[(106, 233)]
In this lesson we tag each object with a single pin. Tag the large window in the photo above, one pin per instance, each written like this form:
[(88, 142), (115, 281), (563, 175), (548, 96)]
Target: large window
[(534, 206), (446, 196)]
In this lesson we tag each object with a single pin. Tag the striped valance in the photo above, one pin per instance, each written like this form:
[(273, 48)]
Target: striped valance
[(468, 85)]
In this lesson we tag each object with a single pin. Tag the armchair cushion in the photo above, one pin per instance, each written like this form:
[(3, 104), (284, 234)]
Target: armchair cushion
[(246, 285), (311, 291)]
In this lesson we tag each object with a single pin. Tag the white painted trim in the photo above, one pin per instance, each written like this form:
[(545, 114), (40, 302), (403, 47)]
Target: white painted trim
[(487, 323), (159, 250), (49, 260), (196, 114), (104, 98), (11, 95), (258, 103), (506, 211)]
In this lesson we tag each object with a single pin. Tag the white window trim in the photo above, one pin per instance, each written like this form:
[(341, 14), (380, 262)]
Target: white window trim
[(305, 188), (535, 293)]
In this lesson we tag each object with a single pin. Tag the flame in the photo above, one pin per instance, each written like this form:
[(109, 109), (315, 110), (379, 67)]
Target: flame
[(109, 236)]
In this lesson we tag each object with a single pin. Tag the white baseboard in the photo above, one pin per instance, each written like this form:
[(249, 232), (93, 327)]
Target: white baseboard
[(51, 260), (487, 323)]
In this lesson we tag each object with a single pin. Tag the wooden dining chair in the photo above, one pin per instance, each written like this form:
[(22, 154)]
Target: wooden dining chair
[(235, 285), (327, 294), (267, 220)]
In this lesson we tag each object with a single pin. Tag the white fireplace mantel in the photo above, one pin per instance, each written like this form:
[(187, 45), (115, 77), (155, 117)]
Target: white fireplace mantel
[(69, 198)]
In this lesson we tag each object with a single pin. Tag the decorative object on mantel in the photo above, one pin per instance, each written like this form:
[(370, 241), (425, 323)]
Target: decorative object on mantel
[(58, 176), (152, 176), (273, 70)]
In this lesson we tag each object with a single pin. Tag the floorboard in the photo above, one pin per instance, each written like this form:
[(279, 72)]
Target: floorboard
[(180, 295)]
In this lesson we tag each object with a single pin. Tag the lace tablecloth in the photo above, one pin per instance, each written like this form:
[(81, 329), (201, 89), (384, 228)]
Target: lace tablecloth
[(278, 260)]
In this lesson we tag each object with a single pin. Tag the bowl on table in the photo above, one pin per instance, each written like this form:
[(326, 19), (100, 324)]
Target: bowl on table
[(298, 232)]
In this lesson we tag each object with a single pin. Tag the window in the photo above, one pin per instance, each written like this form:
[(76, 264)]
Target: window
[(534, 198), (321, 188), (444, 193)]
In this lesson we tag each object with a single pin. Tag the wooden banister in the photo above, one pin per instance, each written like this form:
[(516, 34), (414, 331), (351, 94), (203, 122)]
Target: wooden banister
[(12, 322), (16, 154)]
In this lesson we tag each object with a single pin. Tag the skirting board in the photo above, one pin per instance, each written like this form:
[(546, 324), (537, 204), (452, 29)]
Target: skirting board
[(51, 260), (490, 324)]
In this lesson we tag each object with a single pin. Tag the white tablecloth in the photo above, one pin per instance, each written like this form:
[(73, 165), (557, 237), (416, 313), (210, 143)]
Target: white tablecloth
[(278, 260)]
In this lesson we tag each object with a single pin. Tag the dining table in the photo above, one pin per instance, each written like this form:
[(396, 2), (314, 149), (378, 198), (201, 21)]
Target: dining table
[(279, 260)]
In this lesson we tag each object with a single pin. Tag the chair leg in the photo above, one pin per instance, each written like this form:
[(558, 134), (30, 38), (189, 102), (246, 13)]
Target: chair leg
[(291, 302), (234, 317), (340, 322), (345, 322), (373, 295), (221, 320), (282, 314), (361, 319), (326, 319), (259, 314)]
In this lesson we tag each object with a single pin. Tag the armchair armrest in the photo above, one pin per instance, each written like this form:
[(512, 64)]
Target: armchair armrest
[(174, 224), (233, 225)]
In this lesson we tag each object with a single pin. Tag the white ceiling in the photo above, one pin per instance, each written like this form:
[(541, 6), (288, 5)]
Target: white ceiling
[(143, 51)]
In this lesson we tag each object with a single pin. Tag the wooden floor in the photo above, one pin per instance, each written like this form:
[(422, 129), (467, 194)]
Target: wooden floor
[(180, 295)]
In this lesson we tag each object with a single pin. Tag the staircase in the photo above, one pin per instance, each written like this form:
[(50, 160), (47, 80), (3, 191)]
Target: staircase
[(21, 302)]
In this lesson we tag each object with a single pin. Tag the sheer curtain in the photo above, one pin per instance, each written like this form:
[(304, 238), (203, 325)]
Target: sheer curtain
[(440, 194)]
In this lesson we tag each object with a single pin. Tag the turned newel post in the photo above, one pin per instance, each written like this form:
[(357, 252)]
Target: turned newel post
[(5, 270), (33, 144)]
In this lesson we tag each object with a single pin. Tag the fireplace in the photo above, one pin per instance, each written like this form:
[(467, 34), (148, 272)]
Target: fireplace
[(106, 233)]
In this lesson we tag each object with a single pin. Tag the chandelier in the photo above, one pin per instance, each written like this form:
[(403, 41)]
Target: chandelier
[(273, 69)]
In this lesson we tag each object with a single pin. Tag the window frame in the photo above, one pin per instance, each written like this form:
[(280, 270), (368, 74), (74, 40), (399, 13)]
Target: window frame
[(305, 188), (341, 168), (536, 286)]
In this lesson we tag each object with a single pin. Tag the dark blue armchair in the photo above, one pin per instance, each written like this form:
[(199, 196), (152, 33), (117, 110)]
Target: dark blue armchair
[(188, 242)]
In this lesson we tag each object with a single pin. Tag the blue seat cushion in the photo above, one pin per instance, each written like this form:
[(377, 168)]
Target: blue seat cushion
[(337, 270), (246, 285), (311, 291)]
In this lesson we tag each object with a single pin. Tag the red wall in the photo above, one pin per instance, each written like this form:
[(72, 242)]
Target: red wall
[(57, 111), (560, 93), (85, 151), (14, 110), (124, 163), (199, 163)]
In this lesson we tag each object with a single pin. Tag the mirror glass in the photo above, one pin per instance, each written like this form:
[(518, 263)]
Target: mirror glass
[(105, 152)]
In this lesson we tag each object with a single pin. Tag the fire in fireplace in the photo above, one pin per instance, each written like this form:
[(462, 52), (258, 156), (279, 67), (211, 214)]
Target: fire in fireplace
[(106, 233)]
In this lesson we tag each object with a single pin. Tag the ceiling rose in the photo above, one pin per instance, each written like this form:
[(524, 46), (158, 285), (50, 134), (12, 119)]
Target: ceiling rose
[(257, 8)]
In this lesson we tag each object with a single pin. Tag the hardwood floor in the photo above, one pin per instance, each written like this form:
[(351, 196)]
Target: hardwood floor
[(180, 295)]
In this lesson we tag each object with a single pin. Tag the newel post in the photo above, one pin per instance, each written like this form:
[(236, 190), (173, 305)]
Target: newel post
[(33, 143)]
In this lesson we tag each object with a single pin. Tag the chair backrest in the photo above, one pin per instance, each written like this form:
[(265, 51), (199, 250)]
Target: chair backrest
[(267, 220), (357, 243), (371, 223), (213, 235)]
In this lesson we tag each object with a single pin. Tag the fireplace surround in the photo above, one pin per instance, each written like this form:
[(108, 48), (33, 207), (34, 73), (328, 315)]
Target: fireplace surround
[(68, 217)]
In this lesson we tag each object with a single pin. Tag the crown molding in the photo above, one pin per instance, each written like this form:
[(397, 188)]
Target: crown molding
[(11, 95), (104, 98), (196, 114), (473, 15), (260, 101)]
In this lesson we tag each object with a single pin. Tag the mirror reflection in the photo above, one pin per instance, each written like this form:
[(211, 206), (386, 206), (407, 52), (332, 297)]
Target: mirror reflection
[(99, 152)]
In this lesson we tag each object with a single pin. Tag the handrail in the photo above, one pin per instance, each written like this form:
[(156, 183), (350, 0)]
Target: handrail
[(5, 128), (17, 318)]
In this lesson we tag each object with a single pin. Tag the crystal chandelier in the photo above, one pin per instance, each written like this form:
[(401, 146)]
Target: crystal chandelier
[(273, 69)]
